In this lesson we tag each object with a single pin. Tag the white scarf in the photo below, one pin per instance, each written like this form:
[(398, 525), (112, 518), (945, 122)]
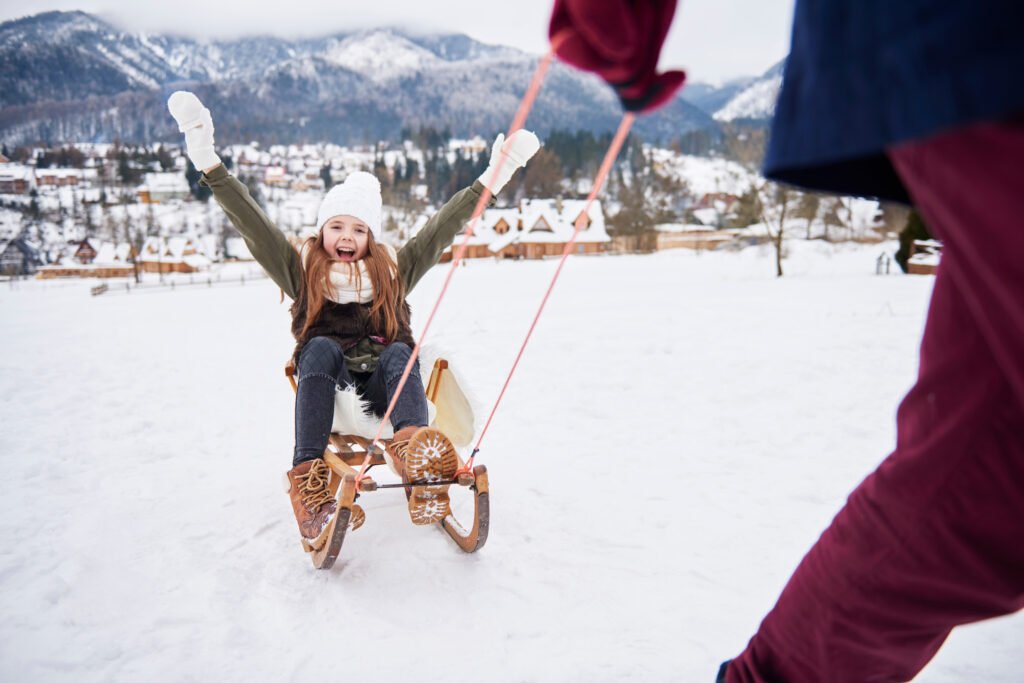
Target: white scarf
[(343, 288)]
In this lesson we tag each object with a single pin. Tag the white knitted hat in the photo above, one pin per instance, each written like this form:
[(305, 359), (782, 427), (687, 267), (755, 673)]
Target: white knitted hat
[(358, 196)]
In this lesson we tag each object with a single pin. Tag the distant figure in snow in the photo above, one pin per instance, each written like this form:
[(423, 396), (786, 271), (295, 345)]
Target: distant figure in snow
[(350, 318), (920, 101)]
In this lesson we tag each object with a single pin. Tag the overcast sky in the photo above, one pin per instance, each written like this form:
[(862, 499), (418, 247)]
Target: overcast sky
[(712, 39)]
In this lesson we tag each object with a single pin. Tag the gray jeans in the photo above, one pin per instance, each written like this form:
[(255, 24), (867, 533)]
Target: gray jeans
[(321, 370)]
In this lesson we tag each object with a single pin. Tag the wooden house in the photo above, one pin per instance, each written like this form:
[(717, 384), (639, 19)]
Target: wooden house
[(108, 260), (58, 177), (173, 255), (690, 236), (924, 257), (85, 252), (16, 179), (535, 229), (162, 187), (19, 257)]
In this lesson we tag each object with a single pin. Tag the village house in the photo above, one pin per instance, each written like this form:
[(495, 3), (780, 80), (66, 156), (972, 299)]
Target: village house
[(92, 258), (714, 208), (535, 228), (174, 255), (235, 249), (690, 236), (924, 257), (59, 177), (85, 252), (19, 257), (276, 176), (162, 187), (16, 179)]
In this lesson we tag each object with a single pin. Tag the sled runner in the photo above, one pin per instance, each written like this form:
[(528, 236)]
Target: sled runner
[(351, 440)]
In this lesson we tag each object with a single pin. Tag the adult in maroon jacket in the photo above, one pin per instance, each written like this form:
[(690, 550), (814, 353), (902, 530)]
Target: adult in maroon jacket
[(918, 100)]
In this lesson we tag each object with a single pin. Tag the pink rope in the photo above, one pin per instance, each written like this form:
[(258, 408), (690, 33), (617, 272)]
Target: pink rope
[(525, 105), (602, 174)]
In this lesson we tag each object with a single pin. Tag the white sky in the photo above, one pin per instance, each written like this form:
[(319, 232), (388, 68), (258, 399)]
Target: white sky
[(712, 39)]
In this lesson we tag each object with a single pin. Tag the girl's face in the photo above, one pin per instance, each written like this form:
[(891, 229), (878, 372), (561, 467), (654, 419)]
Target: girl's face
[(346, 238)]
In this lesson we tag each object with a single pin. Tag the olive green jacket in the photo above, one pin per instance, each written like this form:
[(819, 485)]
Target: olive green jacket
[(281, 261)]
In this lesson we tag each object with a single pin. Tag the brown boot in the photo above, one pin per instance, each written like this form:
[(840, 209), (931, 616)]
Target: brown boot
[(425, 456), (312, 488)]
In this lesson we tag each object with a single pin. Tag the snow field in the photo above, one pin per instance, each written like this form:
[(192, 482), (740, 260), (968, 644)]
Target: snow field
[(679, 432)]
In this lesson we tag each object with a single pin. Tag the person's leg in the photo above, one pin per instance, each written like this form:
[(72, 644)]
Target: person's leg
[(931, 539), (321, 369), (411, 408), (419, 453)]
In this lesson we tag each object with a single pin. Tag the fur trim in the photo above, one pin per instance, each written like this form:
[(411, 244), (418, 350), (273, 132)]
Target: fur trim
[(353, 415)]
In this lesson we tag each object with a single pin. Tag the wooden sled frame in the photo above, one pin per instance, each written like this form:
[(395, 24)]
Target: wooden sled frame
[(345, 454)]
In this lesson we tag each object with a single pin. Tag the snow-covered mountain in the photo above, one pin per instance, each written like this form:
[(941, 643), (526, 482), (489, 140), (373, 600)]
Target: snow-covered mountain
[(68, 76), (712, 97), (756, 100)]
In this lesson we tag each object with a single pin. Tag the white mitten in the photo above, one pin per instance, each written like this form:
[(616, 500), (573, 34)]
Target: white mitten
[(195, 122), (507, 156)]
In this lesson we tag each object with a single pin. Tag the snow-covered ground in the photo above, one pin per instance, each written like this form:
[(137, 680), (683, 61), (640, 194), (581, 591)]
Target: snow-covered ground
[(680, 431)]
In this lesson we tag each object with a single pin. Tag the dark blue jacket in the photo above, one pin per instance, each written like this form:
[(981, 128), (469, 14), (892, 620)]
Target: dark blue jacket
[(863, 75)]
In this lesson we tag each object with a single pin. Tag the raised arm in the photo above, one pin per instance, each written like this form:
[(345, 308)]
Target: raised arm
[(268, 245), (424, 250)]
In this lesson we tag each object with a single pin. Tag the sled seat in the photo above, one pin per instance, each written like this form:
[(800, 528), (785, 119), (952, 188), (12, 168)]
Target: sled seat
[(355, 425)]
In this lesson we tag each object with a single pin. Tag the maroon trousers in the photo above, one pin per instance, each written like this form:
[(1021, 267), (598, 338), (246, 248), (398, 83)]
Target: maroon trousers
[(935, 536)]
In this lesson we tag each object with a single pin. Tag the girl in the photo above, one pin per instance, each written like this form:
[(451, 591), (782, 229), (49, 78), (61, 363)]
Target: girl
[(349, 315)]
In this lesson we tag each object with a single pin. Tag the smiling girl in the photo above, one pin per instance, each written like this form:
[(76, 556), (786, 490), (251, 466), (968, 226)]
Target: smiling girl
[(350, 318)]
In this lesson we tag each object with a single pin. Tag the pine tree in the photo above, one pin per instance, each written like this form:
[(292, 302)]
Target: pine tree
[(542, 177), (634, 221), (90, 226), (748, 209), (914, 230), (192, 176)]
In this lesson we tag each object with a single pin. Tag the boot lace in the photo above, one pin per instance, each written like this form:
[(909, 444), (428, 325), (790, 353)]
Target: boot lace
[(398, 449), (313, 486)]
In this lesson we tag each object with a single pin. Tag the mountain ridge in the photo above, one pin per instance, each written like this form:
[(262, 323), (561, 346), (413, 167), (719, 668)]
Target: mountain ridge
[(67, 76)]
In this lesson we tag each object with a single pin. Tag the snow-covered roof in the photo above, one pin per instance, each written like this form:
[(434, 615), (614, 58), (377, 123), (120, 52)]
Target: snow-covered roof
[(235, 247), (542, 220), (708, 216), (59, 173), (165, 183), (175, 249), (683, 228), (299, 210), (12, 172), (109, 253)]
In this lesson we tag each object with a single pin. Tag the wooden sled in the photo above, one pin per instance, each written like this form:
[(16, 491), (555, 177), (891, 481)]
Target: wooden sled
[(346, 452)]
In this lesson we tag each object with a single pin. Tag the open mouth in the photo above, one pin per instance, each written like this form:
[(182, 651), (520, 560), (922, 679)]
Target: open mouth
[(345, 254)]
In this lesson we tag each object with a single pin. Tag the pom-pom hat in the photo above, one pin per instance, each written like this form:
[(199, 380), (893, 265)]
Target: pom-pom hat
[(358, 196)]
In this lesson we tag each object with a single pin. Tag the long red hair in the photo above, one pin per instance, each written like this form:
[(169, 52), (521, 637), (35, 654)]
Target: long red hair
[(388, 306)]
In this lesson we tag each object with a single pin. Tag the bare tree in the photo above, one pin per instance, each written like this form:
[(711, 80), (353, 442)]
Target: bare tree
[(831, 215), (779, 198), (807, 208)]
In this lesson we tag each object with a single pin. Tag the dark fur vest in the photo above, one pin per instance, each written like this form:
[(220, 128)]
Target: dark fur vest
[(346, 324)]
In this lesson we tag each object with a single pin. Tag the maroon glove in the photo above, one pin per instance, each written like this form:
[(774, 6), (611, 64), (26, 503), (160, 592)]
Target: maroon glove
[(620, 41)]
